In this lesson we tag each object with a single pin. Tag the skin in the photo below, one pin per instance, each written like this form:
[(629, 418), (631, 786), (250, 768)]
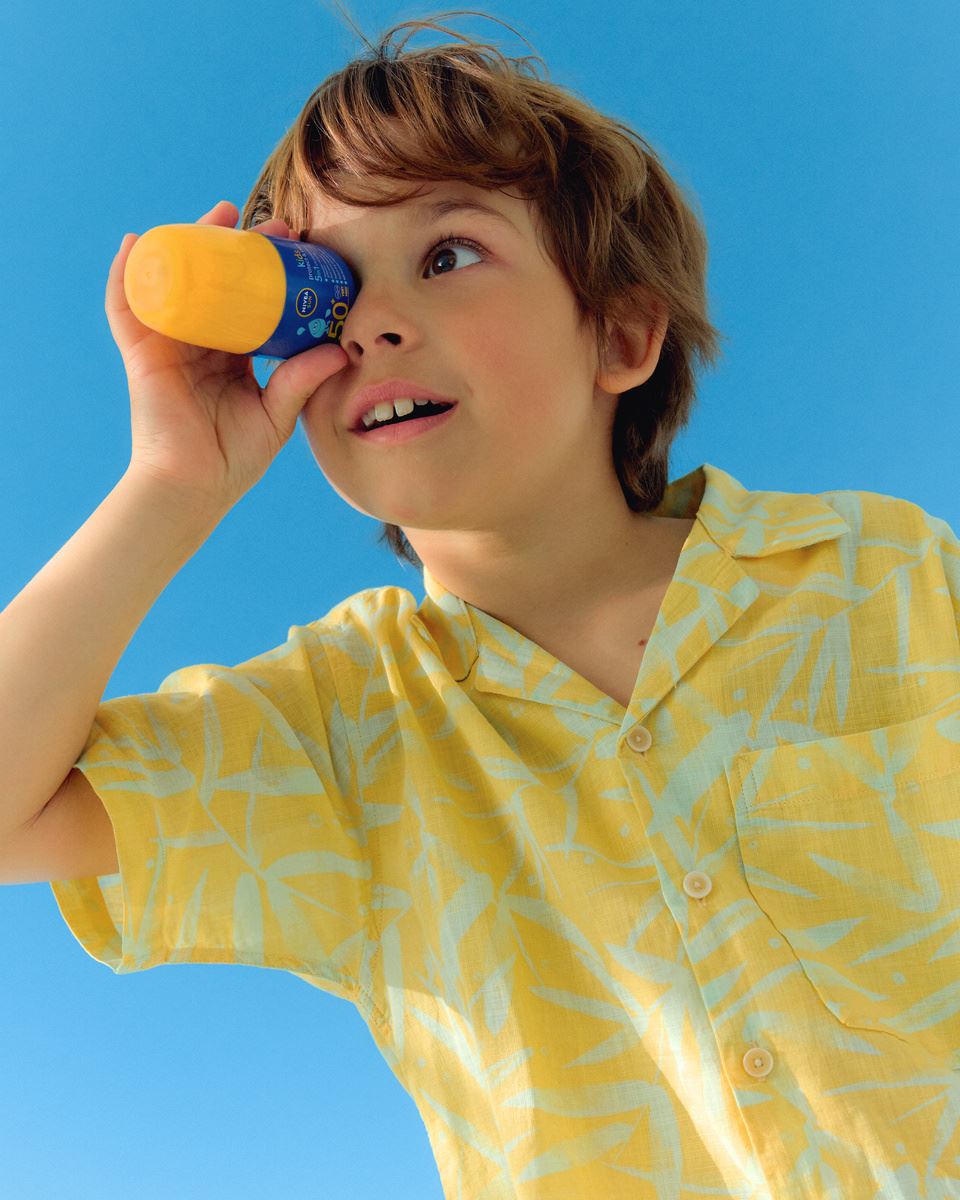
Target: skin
[(513, 504)]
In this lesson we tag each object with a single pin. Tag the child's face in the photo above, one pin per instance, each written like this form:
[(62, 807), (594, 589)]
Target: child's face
[(498, 333)]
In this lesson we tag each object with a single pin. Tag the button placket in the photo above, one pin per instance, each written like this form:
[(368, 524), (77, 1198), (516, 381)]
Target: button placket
[(757, 1062)]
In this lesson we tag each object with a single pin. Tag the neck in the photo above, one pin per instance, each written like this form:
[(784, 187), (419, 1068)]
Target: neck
[(581, 589)]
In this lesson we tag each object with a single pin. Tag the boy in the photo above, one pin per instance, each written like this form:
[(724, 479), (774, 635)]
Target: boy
[(628, 841)]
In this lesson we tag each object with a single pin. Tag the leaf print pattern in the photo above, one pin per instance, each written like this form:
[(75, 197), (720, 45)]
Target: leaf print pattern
[(708, 944)]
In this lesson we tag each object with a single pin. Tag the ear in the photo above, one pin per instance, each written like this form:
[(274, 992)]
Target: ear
[(632, 353)]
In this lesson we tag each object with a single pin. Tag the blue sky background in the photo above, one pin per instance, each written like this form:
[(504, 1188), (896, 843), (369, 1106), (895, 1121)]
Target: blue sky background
[(820, 139)]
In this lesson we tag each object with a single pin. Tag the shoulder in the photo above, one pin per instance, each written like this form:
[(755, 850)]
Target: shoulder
[(368, 626), (873, 514), (368, 614), (893, 539)]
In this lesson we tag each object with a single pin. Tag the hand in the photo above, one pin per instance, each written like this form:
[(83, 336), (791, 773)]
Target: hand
[(200, 422)]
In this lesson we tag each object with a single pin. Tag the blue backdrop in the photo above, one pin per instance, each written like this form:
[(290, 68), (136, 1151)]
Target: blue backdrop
[(821, 140)]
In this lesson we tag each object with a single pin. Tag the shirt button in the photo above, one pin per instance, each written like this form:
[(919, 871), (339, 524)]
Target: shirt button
[(639, 738), (758, 1062), (696, 884)]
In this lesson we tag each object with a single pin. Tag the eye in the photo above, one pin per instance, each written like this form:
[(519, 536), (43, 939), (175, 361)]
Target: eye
[(453, 241)]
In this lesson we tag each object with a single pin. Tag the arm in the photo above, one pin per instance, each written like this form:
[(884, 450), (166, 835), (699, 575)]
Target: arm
[(63, 635)]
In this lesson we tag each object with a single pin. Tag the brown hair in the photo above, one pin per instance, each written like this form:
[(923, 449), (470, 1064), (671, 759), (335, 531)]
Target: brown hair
[(614, 221)]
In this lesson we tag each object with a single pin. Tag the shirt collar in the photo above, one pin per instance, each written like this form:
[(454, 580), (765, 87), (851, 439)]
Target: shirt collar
[(731, 522)]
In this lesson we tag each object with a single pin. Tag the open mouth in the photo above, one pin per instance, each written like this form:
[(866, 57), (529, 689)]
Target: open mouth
[(420, 411), (399, 429)]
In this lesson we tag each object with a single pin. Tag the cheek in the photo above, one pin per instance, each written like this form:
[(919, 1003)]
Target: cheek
[(322, 439), (537, 368), (504, 343)]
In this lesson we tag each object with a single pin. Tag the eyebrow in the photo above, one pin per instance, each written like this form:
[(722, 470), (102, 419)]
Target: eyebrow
[(442, 208), (433, 209)]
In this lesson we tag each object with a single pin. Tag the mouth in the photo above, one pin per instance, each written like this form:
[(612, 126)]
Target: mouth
[(421, 420)]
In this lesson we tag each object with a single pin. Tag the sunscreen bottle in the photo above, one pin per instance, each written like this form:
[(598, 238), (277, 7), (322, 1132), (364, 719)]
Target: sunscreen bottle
[(238, 290)]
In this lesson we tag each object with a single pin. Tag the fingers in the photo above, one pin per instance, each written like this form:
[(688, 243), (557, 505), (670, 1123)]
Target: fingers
[(296, 379), (121, 319), (276, 228), (224, 212)]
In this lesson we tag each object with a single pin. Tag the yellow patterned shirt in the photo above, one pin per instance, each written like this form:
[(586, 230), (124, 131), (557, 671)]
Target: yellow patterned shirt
[(708, 945)]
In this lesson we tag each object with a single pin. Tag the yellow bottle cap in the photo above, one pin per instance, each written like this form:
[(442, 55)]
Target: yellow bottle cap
[(207, 285)]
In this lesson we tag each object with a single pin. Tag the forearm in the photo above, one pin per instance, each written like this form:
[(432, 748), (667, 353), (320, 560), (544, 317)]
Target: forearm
[(63, 635)]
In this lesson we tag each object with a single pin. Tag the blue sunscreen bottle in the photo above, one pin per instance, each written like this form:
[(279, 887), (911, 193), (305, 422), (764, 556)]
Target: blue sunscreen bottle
[(238, 290)]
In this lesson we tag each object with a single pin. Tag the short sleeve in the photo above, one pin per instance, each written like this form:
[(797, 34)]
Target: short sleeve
[(943, 550), (240, 836)]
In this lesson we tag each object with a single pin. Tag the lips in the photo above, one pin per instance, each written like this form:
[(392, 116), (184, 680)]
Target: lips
[(385, 393), (402, 431), (421, 411)]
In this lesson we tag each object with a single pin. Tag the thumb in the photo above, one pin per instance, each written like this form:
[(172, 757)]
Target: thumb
[(293, 383)]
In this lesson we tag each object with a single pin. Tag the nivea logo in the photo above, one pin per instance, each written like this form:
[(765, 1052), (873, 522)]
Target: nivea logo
[(306, 302)]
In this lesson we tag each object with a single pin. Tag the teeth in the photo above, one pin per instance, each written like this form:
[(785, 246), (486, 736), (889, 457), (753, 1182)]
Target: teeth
[(402, 406)]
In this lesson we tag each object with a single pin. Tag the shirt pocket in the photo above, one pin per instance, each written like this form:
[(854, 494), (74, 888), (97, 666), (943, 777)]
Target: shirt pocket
[(851, 847)]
